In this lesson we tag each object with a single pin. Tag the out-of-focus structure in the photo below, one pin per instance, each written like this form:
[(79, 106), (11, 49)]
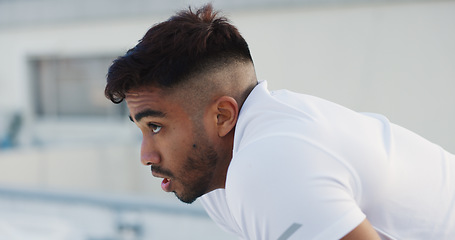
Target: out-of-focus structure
[(69, 159)]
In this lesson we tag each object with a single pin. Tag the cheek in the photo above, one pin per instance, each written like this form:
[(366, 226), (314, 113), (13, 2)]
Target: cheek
[(179, 143)]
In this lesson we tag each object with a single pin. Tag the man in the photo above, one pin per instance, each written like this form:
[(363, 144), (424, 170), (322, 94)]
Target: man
[(274, 165)]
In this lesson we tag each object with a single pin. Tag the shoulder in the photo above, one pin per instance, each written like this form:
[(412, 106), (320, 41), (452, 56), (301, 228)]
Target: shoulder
[(275, 183), (285, 156), (281, 180), (284, 112)]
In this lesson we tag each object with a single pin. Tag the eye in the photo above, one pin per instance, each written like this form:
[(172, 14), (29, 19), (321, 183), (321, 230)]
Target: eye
[(155, 128)]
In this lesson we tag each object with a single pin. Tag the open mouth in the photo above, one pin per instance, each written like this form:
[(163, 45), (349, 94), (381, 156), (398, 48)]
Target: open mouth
[(166, 184), (160, 173)]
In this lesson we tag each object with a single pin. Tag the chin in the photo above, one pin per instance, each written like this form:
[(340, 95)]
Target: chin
[(187, 198)]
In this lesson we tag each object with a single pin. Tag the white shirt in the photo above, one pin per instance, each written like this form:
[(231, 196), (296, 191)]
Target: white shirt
[(306, 168)]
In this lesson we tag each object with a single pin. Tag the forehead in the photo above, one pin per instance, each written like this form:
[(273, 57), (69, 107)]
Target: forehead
[(143, 95), (149, 98)]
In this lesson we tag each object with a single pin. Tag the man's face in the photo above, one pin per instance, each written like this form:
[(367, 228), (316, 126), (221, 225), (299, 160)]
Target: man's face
[(175, 143)]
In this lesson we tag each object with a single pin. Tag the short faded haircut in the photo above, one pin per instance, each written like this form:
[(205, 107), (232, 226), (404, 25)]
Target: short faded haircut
[(186, 44)]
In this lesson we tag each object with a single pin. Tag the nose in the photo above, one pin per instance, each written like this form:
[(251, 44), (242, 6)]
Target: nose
[(149, 153)]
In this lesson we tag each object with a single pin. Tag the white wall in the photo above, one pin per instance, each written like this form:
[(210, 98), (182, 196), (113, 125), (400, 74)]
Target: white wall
[(74, 39)]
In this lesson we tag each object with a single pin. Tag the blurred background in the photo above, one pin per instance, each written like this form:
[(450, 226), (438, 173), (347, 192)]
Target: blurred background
[(69, 159)]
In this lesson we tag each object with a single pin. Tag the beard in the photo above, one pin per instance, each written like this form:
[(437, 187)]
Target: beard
[(197, 173)]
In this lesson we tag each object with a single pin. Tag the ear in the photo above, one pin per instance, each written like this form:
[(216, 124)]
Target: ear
[(227, 111)]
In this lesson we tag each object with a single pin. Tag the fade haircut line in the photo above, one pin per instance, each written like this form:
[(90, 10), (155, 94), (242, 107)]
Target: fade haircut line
[(186, 44)]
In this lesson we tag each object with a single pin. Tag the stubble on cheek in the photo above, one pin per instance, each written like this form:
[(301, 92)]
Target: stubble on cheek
[(197, 174)]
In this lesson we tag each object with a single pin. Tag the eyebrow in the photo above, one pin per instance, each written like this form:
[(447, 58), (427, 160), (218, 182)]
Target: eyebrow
[(147, 113)]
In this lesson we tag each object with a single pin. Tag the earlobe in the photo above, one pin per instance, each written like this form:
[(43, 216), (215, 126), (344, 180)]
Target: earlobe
[(227, 113)]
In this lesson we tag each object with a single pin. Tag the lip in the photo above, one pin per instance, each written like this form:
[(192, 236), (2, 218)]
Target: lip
[(166, 183)]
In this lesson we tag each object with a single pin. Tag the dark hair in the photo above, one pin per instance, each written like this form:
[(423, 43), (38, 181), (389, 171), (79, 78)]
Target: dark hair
[(185, 44)]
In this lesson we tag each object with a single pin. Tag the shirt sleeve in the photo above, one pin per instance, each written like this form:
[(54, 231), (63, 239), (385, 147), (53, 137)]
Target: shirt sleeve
[(284, 187)]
